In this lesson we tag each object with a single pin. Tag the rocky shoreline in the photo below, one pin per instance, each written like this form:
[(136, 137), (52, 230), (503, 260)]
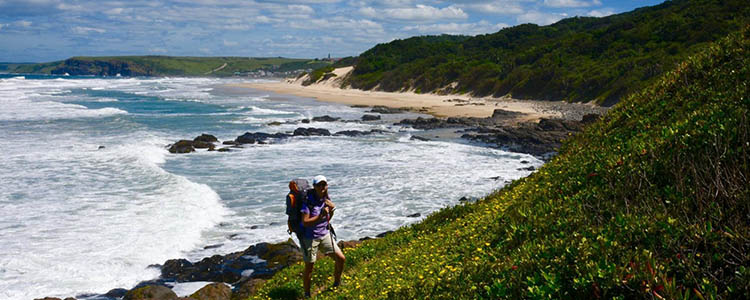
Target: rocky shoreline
[(237, 275)]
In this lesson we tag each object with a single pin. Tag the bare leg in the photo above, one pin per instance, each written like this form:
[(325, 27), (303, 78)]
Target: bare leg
[(340, 259), (307, 276)]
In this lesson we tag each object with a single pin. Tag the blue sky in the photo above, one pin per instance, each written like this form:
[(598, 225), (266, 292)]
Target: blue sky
[(47, 30)]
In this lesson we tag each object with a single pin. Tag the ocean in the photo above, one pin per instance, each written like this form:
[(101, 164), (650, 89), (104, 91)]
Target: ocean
[(90, 197)]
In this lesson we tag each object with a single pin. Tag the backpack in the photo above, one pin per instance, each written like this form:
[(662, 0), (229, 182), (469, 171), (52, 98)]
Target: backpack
[(298, 190)]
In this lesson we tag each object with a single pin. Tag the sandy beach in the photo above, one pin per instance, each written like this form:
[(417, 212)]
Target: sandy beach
[(433, 104)]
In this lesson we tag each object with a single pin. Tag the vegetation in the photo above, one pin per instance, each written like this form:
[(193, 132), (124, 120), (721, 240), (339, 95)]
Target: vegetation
[(652, 201), (576, 59), (318, 74), (167, 66)]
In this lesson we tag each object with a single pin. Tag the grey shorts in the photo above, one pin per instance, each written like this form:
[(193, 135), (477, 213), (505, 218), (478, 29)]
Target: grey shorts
[(324, 244)]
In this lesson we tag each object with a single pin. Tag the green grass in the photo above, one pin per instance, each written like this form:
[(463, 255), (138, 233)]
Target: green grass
[(651, 201)]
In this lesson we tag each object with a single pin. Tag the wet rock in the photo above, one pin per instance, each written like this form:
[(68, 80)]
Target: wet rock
[(213, 291), (424, 123), (48, 298), (116, 293), (419, 138), (203, 145), (229, 143), (274, 123), (416, 215), (353, 133), (259, 137), (254, 227), (530, 168), (311, 132), (224, 149), (206, 138), (101, 147), (524, 162), (384, 233), (150, 292), (359, 106), (231, 267), (370, 118), (182, 146), (386, 110), (246, 287), (213, 246), (306, 121), (325, 118)]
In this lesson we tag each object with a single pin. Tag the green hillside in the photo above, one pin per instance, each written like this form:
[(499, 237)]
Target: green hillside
[(576, 59), (652, 201), (167, 66)]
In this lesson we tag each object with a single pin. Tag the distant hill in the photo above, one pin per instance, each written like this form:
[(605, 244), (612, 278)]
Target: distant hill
[(576, 59), (650, 202), (167, 66)]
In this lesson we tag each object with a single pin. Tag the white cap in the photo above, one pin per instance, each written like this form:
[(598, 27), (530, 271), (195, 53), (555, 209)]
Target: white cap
[(318, 179)]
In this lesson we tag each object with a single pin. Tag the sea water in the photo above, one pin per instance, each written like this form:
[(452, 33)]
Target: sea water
[(90, 197)]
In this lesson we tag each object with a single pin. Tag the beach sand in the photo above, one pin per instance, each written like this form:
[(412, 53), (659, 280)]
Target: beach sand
[(433, 104)]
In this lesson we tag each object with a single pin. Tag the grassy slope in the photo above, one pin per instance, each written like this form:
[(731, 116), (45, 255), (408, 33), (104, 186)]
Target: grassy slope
[(185, 66), (576, 59), (652, 200)]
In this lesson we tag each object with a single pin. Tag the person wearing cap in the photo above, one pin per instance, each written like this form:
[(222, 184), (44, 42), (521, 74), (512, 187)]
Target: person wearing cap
[(316, 216)]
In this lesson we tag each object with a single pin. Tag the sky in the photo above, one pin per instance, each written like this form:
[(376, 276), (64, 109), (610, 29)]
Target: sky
[(49, 30)]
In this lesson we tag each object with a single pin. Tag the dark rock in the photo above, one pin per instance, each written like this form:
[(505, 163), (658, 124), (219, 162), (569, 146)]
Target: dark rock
[(48, 298), (416, 215), (213, 246), (359, 106), (424, 123), (365, 239), (370, 118), (182, 146), (259, 137), (254, 227), (116, 293), (206, 138), (246, 287), (213, 291), (530, 168), (524, 162), (203, 145), (384, 233), (495, 178), (274, 123), (353, 133), (233, 236), (230, 143), (154, 266), (306, 121), (500, 114), (419, 138), (101, 147), (224, 149), (311, 132), (229, 268), (150, 292), (325, 118), (274, 224), (464, 199), (386, 110)]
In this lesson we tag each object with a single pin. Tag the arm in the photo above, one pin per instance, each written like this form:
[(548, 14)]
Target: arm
[(311, 221)]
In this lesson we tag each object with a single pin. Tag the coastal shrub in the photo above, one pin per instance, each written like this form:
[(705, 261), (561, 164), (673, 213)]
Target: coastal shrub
[(652, 201), (576, 59)]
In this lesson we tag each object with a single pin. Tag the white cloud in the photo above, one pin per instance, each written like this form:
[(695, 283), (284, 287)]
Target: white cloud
[(417, 13), (601, 12), (571, 3), (497, 7), (540, 18), (114, 11), (456, 28), (301, 9), (86, 30)]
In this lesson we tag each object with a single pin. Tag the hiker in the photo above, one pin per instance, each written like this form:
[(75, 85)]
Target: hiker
[(317, 212), (297, 195)]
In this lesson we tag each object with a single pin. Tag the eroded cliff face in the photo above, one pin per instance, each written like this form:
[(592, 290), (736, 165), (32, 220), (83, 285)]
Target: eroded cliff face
[(101, 68)]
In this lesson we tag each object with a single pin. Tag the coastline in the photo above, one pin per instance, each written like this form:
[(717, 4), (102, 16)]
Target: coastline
[(442, 106)]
